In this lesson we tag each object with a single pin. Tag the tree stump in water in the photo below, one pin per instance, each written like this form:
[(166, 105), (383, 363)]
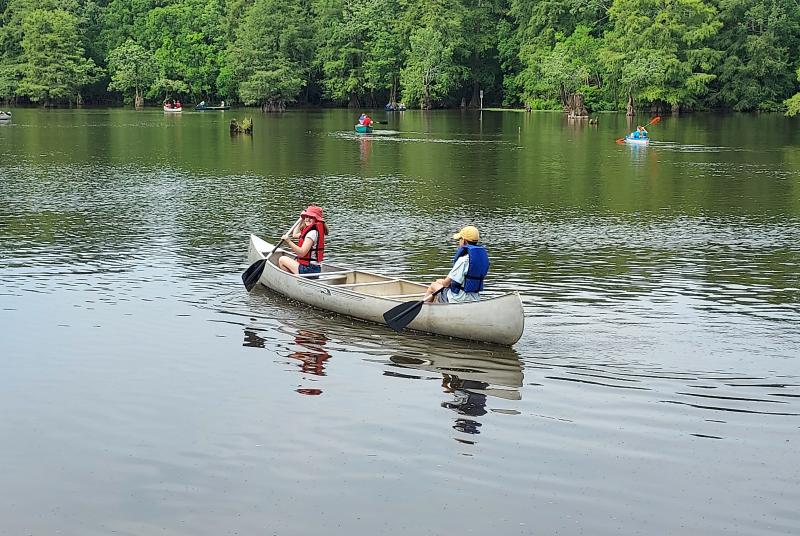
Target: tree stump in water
[(245, 127), (576, 107)]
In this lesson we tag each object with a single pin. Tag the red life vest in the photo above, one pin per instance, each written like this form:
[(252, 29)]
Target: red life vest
[(317, 251)]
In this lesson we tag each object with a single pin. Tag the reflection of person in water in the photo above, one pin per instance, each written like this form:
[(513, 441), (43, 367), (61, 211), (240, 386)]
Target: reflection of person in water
[(365, 148), (313, 358), (466, 401)]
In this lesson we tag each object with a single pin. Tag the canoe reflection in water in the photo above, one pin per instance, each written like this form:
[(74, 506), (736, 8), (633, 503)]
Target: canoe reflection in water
[(471, 377), (312, 356)]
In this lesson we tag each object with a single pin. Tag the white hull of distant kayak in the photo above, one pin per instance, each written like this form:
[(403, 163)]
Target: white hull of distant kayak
[(637, 141), (367, 296)]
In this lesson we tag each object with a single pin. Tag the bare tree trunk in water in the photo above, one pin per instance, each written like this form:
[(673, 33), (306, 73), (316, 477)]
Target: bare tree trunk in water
[(676, 109), (138, 101), (353, 101), (629, 106), (274, 106), (475, 101), (426, 99), (576, 106)]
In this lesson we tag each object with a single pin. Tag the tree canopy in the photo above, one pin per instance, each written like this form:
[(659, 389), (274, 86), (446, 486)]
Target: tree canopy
[(659, 55)]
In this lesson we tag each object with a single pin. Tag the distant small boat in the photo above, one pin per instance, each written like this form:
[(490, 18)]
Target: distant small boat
[(363, 129), (5, 116), (637, 141), (205, 107), (166, 109)]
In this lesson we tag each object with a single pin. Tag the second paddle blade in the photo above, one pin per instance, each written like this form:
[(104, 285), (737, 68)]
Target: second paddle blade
[(400, 316)]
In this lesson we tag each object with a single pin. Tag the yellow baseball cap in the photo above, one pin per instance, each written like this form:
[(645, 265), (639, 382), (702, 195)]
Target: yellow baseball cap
[(468, 233)]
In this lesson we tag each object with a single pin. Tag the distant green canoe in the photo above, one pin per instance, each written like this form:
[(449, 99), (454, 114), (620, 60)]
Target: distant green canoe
[(363, 129)]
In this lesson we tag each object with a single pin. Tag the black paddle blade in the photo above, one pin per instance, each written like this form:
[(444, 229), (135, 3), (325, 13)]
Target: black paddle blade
[(400, 316), (251, 276)]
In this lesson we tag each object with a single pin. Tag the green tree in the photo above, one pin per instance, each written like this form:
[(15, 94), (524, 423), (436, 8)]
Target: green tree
[(53, 65), (12, 18), (342, 30), (430, 72), (793, 103), (131, 68), (122, 20), (533, 29), (480, 56), (761, 41), (383, 51), (187, 40), (658, 51), (269, 63), (571, 69)]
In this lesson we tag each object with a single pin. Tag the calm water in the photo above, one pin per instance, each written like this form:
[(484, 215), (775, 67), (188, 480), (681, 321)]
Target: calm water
[(143, 391)]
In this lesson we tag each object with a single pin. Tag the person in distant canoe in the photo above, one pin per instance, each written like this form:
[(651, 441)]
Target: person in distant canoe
[(470, 266), (177, 104), (222, 104), (640, 133), (361, 119), (310, 248), (367, 121)]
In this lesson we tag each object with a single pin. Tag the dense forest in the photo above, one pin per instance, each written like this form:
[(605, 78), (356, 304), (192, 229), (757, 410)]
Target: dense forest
[(576, 55)]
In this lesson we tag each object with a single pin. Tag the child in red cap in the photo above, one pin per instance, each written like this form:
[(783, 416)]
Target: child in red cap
[(310, 248)]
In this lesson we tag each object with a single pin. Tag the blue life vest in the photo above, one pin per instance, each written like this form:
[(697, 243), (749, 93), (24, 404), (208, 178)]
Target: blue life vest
[(476, 271)]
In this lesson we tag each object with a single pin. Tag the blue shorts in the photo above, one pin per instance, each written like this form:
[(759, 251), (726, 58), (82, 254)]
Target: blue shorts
[(310, 269)]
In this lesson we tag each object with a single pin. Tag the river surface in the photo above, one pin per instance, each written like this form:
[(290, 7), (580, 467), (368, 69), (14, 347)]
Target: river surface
[(143, 391)]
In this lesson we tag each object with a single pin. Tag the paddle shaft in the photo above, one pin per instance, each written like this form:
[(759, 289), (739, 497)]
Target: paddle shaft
[(251, 276), (292, 228)]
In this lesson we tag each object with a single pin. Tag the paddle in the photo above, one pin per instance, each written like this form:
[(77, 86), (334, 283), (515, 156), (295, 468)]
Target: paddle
[(251, 276), (400, 316), (654, 121)]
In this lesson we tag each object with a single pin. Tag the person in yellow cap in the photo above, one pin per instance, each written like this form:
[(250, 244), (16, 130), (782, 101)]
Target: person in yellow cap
[(464, 282)]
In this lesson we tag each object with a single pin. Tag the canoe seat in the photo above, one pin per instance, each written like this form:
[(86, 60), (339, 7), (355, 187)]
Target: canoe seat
[(326, 275)]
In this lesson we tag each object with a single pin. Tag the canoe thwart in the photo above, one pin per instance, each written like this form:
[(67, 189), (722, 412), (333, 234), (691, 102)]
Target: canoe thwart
[(326, 275), (396, 296), (387, 281)]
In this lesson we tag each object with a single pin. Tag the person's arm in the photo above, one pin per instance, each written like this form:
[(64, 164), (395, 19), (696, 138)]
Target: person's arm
[(301, 251), (458, 272)]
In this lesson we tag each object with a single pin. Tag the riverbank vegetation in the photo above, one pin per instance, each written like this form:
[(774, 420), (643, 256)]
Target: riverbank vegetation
[(575, 55)]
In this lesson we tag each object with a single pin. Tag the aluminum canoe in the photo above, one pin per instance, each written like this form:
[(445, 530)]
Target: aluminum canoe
[(367, 296)]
